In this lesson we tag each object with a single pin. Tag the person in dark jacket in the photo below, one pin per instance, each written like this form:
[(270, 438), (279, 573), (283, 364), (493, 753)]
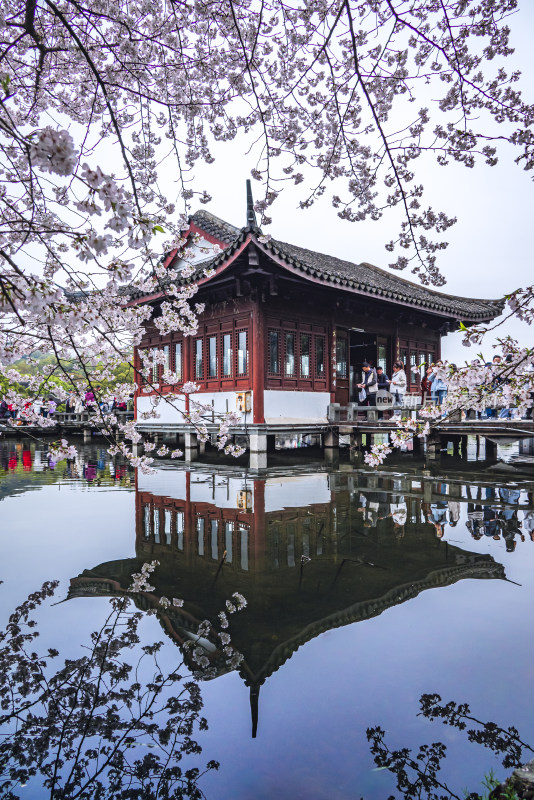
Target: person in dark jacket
[(382, 379)]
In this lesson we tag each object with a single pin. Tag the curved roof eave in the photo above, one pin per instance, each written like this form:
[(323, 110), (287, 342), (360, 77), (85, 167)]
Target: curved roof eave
[(447, 306)]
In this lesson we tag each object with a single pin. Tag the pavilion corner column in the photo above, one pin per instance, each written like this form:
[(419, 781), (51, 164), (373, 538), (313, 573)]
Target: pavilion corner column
[(258, 364), (187, 371)]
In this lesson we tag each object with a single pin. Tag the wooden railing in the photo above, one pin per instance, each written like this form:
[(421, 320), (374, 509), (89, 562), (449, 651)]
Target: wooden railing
[(71, 418), (356, 413), (67, 419)]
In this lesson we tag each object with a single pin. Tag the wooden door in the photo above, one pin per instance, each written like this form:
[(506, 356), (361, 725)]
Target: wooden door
[(342, 375)]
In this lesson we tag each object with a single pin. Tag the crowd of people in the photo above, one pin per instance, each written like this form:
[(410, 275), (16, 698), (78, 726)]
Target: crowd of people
[(433, 387), (74, 404), (93, 466), (495, 516)]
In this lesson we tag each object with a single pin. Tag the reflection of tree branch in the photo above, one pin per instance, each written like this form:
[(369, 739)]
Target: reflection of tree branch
[(500, 740), (76, 734), (425, 767)]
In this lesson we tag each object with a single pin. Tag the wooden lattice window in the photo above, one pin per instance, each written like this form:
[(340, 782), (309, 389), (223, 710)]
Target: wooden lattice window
[(320, 357), (305, 355), (199, 359), (289, 354), (178, 361), (273, 363), (227, 355), (242, 352), (213, 370)]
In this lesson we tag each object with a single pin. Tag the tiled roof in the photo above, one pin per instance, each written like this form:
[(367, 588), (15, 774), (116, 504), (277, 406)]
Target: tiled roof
[(215, 226), (372, 280), (364, 278)]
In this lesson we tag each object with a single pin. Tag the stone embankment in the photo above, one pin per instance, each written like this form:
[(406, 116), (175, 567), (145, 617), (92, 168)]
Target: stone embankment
[(521, 781)]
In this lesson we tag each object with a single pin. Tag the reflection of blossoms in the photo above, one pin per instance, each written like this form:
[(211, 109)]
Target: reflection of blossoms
[(240, 601), (140, 579)]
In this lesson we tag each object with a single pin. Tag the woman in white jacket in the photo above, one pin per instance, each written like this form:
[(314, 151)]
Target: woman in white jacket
[(397, 384)]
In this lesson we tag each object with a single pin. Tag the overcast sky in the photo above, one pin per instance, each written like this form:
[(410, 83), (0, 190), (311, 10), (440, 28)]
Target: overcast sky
[(490, 251)]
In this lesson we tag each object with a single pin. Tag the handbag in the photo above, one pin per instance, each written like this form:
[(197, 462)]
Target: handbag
[(362, 396)]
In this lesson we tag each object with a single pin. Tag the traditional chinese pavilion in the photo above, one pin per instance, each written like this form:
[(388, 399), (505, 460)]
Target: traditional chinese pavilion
[(284, 329)]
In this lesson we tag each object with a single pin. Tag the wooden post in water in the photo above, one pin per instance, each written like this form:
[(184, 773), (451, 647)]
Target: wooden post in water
[(433, 446), (491, 450)]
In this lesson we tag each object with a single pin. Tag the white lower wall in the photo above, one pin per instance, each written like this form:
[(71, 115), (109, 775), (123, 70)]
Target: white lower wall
[(223, 492), (170, 412), (283, 492), (296, 492), (281, 406)]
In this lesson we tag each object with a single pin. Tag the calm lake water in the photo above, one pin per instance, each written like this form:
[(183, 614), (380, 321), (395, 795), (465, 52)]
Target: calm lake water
[(365, 590)]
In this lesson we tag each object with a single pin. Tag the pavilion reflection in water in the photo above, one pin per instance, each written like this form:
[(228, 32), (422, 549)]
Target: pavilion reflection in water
[(300, 548)]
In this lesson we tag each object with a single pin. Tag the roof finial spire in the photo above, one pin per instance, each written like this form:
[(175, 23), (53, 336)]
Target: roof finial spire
[(251, 214), (254, 702)]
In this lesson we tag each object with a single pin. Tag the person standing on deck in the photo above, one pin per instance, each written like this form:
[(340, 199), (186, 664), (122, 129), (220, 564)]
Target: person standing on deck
[(438, 386), (426, 384), (382, 379), (398, 383), (369, 384)]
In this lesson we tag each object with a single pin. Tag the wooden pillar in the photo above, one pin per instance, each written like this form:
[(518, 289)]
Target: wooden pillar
[(259, 528), (137, 378), (433, 445), (355, 440), (191, 446), (258, 449), (257, 460), (259, 358), (491, 450), (187, 365), (257, 441), (331, 439), (189, 523)]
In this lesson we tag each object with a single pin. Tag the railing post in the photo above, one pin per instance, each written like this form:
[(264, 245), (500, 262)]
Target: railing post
[(334, 412)]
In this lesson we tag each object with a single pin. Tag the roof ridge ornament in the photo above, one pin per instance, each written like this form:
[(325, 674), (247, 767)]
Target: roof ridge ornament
[(251, 214)]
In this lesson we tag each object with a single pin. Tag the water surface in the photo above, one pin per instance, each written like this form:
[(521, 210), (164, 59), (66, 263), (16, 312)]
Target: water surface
[(364, 591)]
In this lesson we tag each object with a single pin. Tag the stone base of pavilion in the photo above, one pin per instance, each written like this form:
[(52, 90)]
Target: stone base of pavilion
[(260, 439)]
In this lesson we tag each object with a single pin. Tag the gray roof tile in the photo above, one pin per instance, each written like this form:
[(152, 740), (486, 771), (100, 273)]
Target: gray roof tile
[(363, 278)]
